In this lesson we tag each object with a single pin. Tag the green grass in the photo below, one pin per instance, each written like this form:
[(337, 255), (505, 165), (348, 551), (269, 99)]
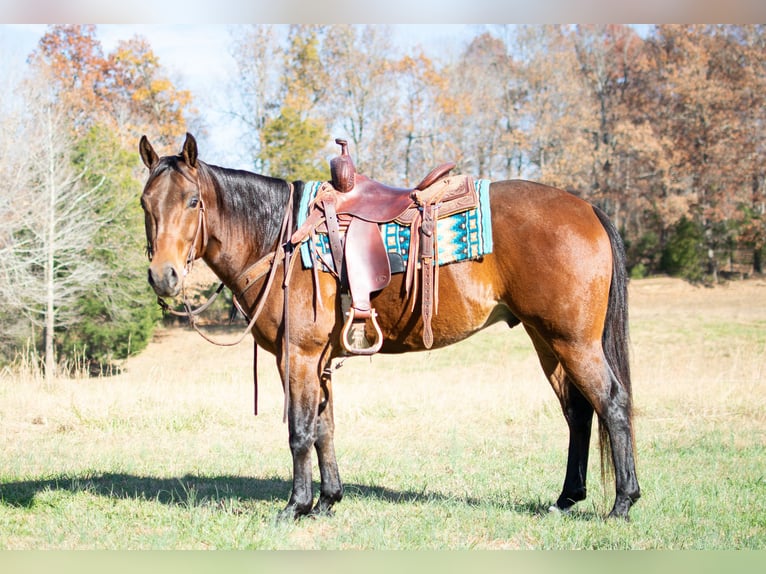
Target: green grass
[(466, 453)]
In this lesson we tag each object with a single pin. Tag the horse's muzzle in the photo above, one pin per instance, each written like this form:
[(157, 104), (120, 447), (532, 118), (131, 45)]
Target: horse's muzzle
[(166, 282)]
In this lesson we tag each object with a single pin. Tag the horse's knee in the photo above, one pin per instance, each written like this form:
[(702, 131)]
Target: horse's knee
[(303, 438)]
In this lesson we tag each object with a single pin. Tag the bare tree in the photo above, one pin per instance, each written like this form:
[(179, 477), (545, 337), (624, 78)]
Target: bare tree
[(260, 61), (360, 61), (46, 262)]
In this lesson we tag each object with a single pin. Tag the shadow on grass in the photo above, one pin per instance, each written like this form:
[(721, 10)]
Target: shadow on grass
[(191, 490), (182, 491)]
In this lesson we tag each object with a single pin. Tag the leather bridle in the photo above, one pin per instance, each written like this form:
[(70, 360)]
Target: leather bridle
[(265, 266), (200, 232)]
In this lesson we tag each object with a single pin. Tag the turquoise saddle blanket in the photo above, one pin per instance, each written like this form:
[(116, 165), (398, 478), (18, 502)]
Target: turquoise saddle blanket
[(460, 237)]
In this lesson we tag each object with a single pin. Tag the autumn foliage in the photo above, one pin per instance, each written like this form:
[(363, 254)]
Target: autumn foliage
[(126, 90), (662, 130), (653, 128)]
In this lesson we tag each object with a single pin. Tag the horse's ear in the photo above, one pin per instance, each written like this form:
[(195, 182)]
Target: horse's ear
[(189, 152), (148, 155)]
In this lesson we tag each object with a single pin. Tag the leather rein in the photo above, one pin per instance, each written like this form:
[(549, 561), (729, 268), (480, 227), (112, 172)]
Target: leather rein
[(265, 266)]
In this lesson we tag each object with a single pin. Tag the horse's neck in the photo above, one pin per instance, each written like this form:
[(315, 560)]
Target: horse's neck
[(233, 244)]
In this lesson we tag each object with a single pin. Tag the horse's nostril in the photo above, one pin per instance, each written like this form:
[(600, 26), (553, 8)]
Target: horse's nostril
[(165, 281), (171, 276)]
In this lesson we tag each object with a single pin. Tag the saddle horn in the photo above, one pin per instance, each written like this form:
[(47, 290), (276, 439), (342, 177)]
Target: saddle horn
[(342, 171)]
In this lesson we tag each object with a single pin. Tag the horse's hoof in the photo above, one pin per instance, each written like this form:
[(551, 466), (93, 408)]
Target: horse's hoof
[(318, 511), (286, 515), (618, 516), (555, 509), (290, 514)]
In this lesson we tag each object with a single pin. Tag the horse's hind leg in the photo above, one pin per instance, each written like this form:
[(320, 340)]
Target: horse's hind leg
[(579, 416), (331, 490), (578, 413), (588, 370)]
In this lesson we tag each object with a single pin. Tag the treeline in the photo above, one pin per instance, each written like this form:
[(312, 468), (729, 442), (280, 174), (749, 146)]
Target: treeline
[(665, 131), (662, 130)]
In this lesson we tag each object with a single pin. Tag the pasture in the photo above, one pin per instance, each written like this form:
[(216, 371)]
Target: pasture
[(458, 448)]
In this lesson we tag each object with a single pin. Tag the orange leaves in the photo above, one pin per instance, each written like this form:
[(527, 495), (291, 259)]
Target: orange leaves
[(127, 90)]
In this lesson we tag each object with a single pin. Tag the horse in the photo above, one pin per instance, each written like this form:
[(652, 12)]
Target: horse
[(557, 268)]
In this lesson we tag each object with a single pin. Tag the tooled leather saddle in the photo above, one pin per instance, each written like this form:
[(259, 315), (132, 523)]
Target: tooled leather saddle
[(349, 209)]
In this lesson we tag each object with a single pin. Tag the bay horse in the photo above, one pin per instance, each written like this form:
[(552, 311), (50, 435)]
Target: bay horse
[(557, 269)]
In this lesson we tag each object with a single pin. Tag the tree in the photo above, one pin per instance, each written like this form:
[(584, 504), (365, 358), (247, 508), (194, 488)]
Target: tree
[(82, 120), (126, 90), (256, 87), (359, 63), (49, 259), (652, 129), (74, 62), (556, 112), (482, 124), (137, 93), (607, 58), (683, 252), (291, 140), (116, 319), (702, 103), (423, 107), (747, 44), (290, 146)]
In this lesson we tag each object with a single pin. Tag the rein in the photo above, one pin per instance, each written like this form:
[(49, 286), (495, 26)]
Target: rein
[(189, 312)]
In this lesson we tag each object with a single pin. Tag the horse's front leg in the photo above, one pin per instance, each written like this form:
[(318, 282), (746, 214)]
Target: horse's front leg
[(302, 419), (331, 488)]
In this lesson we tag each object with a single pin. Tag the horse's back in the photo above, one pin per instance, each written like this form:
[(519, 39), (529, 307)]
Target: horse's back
[(550, 266)]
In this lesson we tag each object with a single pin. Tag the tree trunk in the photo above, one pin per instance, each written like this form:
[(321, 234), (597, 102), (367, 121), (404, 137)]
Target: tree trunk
[(50, 249), (50, 359)]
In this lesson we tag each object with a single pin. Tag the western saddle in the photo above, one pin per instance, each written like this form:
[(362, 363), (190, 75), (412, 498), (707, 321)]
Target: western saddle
[(350, 208)]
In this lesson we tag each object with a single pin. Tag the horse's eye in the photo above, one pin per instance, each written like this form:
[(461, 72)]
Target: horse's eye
[(194, 201)]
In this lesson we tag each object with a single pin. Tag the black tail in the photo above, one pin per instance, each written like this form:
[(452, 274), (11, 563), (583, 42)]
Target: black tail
[(615, 338)]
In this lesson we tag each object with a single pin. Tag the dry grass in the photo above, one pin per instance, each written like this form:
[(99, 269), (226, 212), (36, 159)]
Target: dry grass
[(454, 448), (699, 353)]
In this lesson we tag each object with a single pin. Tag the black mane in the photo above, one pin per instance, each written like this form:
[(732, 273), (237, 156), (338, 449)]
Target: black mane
[(255, 202)]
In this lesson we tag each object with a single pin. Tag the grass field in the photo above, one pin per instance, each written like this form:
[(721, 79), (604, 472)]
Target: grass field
[(459, 448)]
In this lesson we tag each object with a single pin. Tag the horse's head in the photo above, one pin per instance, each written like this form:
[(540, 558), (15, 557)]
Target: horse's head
[(174, 215)]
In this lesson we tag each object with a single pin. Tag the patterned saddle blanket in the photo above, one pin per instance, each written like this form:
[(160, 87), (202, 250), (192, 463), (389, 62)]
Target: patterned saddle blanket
[(460, 237)]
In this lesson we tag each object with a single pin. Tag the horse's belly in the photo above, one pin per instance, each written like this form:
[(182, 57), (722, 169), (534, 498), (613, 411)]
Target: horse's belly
[(466, 302)]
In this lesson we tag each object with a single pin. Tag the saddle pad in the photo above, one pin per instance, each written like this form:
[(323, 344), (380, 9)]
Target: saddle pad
[(463, 236)]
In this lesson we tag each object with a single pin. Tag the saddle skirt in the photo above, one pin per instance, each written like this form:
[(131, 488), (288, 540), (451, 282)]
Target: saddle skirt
[(463, 235)]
